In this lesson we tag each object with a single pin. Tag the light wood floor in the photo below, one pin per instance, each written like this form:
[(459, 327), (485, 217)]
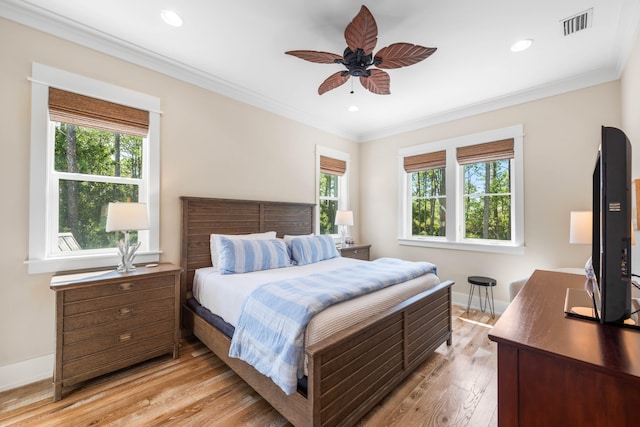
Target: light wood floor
[(455, 387)]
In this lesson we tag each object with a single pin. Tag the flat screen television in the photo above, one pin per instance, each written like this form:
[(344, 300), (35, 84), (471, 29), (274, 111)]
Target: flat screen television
[(611, 228)]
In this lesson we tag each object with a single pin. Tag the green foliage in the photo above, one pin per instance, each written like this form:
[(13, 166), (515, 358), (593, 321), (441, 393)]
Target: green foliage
[(487, 200), (82, 207), (328, 203), (428, 201)]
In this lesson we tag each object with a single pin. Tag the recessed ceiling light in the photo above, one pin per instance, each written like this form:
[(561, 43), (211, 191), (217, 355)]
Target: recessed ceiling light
[(353, 108), (521, 45), (171, 18)]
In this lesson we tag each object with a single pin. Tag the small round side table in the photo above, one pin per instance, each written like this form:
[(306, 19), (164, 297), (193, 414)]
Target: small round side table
[(487, 283)]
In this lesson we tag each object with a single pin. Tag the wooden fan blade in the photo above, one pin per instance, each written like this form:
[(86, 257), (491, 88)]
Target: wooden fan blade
[(378, 82), (362, 32), (402, 55), (315, 56), (332, 82)]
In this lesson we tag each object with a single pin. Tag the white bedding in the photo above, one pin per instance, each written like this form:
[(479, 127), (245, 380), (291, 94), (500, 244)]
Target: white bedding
[(224, 295)]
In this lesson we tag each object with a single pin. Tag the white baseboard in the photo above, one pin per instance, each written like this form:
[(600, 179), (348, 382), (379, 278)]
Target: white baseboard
[(462, 299), (26, 372)]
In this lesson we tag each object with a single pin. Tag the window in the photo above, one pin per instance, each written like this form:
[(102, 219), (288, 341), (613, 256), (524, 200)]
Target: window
[(332, 188), (464, 193), (92, 143)]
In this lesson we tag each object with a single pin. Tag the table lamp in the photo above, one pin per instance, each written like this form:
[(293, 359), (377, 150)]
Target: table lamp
[(344, 219), (127, 217)]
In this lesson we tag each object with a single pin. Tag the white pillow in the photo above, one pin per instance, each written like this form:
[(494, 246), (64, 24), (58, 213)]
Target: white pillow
[(214, 242), (247, 255)]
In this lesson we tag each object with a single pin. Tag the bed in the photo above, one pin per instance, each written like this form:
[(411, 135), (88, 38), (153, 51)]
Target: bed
[(348, 372)]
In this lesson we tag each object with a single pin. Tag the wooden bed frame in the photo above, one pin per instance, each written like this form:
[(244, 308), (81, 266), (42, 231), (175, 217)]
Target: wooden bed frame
[(349, 372)]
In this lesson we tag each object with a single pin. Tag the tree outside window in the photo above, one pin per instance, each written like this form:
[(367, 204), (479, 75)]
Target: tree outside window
[(487, 200), (92, 168), (329, 200), (428, 202)]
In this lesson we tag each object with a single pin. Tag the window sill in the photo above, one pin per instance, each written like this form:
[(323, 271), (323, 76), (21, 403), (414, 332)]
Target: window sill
[(52, 265), (464, 246)]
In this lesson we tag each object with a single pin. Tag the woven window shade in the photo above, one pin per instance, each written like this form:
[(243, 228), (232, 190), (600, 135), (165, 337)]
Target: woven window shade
[(80, 110), (332, 166), (487, 152), (426, 161)]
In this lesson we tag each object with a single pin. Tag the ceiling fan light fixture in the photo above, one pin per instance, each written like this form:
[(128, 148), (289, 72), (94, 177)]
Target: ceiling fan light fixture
[(171, 18), (521, 45)]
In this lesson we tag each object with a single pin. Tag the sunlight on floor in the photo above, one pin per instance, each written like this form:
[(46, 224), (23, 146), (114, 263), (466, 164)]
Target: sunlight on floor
[(475, 322)]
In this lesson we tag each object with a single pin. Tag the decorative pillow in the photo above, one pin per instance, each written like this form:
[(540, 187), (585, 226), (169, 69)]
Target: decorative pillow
[(288, 237), (244, 255), (310, 249), (213, 242)]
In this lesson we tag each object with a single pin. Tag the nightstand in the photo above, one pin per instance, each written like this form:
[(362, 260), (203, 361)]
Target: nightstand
[(107, 320), (355, 251)]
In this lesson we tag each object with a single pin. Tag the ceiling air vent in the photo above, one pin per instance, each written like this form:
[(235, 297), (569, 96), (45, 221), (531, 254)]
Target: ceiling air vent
[(579, 22)]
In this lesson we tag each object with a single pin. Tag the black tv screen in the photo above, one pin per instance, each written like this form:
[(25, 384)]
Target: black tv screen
[(611, 246)]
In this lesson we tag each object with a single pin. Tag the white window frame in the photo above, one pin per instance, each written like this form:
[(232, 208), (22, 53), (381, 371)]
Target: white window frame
[(43, 196), (454, 236), (343, 182)]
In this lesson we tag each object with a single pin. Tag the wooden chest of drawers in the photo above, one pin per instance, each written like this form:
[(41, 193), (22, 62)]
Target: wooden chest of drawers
[(108, 320), (356, 251)]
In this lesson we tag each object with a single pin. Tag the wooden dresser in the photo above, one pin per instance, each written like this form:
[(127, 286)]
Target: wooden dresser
[(107, 320), (355, 251), (555, 370)]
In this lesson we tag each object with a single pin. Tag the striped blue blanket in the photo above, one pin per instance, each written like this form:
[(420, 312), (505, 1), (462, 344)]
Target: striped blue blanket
[(270, 332)]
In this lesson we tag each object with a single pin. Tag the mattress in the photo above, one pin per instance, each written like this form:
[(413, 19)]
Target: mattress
[(224, 295)]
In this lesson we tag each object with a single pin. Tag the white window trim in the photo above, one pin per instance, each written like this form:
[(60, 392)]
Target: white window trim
[(454, 187), (39, 260), (343, 197)]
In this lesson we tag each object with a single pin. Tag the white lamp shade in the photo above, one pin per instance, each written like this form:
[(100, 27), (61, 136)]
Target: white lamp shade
[(127, 217), (580, 227), (344, 218)]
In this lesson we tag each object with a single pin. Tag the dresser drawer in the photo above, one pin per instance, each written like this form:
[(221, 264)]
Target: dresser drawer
[(360, 252), (142, 310), (118, 300), (105, 361), (120, 288), (120, 337), (117, 326)]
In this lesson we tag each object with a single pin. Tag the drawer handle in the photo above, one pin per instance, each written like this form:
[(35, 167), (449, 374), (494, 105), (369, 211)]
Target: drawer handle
[(125, 337), (125, 310), (126, 286)]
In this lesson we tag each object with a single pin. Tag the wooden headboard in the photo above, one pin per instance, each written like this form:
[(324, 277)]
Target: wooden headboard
[(203, 216)]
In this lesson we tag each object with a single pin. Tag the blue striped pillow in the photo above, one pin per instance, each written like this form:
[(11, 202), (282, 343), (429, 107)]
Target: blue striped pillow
[(244, 256), (310, 249)]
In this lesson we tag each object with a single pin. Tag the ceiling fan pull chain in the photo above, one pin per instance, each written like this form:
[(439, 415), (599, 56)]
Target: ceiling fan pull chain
[(351, 84)]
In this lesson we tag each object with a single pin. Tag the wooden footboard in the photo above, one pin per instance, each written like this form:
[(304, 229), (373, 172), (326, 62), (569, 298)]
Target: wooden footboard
[(350, 372)]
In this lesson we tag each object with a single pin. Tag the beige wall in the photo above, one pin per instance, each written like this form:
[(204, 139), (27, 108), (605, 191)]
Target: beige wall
[(561, 140), (210, 146), (630, 93)]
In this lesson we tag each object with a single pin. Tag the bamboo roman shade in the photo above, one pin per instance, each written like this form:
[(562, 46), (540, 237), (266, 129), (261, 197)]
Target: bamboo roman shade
[(332, 166), (80, 110), (426, 161), (486, 152)]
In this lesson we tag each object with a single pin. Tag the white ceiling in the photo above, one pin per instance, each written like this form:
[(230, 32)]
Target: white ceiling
[(236, 48)]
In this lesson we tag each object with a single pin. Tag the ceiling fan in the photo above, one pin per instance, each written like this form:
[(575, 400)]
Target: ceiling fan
[(361, 36)]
